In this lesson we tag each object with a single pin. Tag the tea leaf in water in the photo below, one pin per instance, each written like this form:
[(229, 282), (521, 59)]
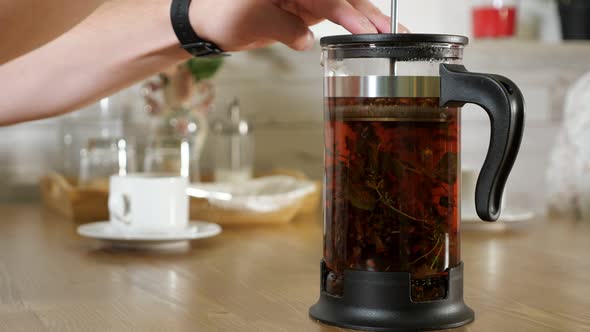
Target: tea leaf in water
[(390, 198), (446, 168), (374, 158), (423, 270), (361, 197), (444, 201), (391, 164), (356, 172)]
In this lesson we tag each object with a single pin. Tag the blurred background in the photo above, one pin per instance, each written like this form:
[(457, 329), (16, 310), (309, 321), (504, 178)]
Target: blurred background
[(537, 43)]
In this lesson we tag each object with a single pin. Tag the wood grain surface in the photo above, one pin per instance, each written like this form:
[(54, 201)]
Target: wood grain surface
[(263, 279)]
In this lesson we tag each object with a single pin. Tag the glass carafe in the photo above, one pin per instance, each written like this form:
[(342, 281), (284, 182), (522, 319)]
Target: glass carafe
[(392, 155)]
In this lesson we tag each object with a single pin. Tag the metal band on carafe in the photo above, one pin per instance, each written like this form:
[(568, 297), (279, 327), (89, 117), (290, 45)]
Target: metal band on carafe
[(382, 86)]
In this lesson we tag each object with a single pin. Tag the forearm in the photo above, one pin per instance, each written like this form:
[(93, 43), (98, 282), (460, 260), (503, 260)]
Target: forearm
[(101, 55), (28, 24), (127, 40)]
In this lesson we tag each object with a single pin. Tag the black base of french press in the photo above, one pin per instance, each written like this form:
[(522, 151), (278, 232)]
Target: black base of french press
[(380, 301)]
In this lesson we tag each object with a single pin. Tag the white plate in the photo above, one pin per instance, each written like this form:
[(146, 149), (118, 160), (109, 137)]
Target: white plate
[(260, 195), (107, 232)]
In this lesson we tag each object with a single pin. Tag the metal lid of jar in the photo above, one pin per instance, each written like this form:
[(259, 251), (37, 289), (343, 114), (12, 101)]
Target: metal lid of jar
[(389, 38), (382, 86)]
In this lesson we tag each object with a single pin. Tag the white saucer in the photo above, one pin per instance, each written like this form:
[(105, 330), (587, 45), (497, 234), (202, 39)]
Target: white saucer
[(510, 215), (107, 232), (510, 219)]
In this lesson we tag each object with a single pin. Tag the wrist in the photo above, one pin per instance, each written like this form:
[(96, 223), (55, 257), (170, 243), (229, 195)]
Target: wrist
[(203, 19), (157, 28), (173, 47), (188, 39)]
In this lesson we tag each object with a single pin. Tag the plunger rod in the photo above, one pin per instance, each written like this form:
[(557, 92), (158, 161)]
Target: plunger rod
[(394, 16), (394, 27)]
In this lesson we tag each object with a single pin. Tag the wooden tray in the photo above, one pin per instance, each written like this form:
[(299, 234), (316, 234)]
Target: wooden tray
[(82, 204), (89, 203)]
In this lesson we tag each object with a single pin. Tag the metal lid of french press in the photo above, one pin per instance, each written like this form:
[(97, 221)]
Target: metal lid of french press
[(399, 46), (392, 38), (233, 123)]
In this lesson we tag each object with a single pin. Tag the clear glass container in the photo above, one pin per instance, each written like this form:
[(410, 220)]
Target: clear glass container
[(178, 104), (392, 164), (103, 157), (234, 146), (172, 155), (100, 121), (392, 197)]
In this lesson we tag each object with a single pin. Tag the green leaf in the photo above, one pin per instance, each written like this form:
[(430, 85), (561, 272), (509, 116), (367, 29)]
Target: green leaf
[(361, 197), (374, 157), (204, 68), (446, 168), (393, 165), (356, 171)]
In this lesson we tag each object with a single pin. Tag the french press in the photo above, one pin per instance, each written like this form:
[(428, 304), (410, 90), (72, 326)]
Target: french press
[(392, 177)]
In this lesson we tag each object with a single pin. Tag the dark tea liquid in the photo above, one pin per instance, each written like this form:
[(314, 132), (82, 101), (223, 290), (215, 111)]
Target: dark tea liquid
[(392, 179)]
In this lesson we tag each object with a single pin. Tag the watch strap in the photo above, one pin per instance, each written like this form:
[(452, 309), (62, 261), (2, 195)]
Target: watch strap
[(188, 38)]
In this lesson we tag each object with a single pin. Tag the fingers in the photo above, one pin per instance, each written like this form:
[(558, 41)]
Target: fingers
[(287, 28), (381, 21), (402, 28), (357, 16), (340, 12), (294, 8)]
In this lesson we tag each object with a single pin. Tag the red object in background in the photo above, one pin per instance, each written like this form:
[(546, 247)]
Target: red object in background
[(494, 22)]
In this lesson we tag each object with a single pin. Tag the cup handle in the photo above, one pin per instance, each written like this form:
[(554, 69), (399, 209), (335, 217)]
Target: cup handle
[(504, 103), (120, 207)]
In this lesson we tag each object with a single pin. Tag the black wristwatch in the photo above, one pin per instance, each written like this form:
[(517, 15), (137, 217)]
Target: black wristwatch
[(188, 38)]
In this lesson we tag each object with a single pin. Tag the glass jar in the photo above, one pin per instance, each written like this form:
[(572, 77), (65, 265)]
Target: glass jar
[(234, 146), (392, 155), (103, 157), (178, 104), (172, 156)]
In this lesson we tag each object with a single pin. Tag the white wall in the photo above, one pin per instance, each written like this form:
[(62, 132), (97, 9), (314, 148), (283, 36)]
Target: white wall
[(284, 98), (537, 18), (281, 91)]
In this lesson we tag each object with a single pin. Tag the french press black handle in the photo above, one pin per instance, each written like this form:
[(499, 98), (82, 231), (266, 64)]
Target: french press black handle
[(504, 103)]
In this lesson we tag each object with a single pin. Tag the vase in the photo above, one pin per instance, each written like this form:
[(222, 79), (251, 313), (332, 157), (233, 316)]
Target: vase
[(178, 105)]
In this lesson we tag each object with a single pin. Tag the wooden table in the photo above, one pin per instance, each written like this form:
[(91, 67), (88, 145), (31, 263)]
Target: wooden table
[(263, 279)]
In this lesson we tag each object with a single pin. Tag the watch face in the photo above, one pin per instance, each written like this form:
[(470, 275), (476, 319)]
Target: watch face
[(203, 48)]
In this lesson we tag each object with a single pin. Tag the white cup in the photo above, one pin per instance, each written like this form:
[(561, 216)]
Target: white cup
[(148, 202)]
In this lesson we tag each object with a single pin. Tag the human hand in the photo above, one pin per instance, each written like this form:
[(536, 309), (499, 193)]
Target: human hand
[(237, 25)]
